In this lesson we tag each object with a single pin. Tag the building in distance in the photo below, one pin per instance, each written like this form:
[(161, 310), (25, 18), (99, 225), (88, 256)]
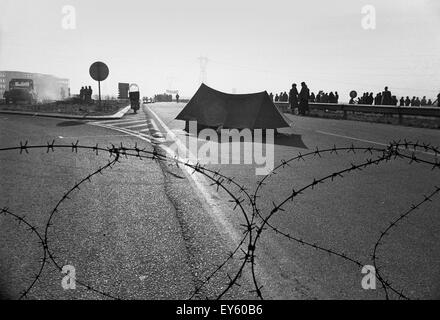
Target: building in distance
[(47, 87)]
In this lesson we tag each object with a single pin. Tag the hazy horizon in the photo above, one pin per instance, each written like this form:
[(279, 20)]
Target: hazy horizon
[(250, 46)]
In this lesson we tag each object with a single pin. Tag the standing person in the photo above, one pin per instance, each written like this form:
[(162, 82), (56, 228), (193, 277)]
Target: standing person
[(89, 94), (271, 96), (365, 98), (423, 102), (285, 96), (86, 94), (312, 97), (407, 102), (429, 103), (402, 102), (378, 99), (277, 98), (371, 99), (336, 97), (177, 98), (331, 97), (293, 98), (386, 97), (82, 94), (318, 96), (304, 99)]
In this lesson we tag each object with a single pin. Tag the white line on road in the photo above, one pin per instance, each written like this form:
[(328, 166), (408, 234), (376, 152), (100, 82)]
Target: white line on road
[(153, 123), (118, 122), (131, 122), (129, 132), (352, 138), (368, 141), (99, 136), (137, 126)]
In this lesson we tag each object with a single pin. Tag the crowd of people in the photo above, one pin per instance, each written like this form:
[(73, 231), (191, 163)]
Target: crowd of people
[(282, 97), (325, 97), (332, 97), (382, 98), (85, 94), (297, 100), (385, 98)]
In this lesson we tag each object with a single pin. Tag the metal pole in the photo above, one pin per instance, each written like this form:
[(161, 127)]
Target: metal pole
[(99, 87)]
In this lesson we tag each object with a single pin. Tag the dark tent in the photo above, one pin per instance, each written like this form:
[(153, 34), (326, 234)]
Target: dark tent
[(212, 108)]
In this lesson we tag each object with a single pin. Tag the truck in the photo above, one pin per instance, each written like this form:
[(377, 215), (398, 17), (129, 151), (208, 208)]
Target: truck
[(21, 90)]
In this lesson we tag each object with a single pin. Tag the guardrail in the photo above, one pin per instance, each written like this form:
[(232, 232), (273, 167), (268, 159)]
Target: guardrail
[(386, 110)]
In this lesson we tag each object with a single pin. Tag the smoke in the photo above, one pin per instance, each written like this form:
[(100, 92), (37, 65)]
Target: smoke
[(47, 94), (48, 88)]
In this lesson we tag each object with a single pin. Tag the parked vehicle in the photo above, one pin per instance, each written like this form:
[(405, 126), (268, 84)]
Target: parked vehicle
[(21, 90)]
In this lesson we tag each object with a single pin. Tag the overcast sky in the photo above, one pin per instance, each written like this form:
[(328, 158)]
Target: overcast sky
[(251, 45)]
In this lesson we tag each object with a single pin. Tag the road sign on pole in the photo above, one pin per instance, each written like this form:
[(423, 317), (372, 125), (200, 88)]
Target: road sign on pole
[(353, 94), (99, 72)]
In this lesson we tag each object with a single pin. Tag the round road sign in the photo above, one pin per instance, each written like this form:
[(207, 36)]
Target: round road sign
[(99, 71), (353, 94)]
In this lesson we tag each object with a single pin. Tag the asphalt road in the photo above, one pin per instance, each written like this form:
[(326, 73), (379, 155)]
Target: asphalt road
[(346, 215), (148, 230), (133, 232)]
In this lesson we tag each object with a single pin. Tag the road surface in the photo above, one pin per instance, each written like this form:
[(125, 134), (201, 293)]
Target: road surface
[(347, 215), (148, 230), (130, 233)]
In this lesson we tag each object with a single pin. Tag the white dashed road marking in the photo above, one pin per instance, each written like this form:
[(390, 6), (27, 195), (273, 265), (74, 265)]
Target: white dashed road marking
[(131, 122), (369, 141), (136, 126)]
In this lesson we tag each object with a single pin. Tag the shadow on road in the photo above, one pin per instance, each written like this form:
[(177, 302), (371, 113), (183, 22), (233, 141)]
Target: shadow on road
[(280, 138), (70, 123), (290, 140)]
